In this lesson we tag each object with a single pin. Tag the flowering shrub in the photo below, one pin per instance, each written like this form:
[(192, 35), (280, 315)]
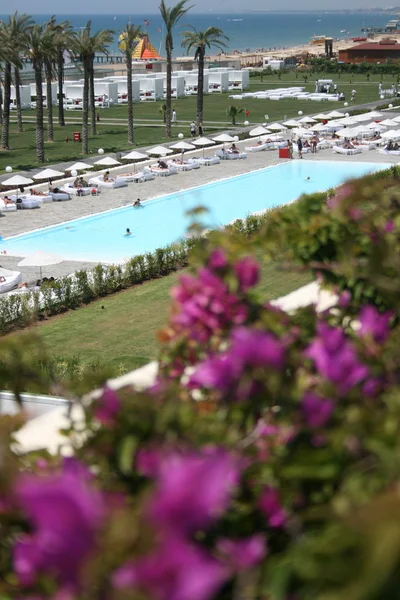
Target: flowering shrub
[(264, 462)]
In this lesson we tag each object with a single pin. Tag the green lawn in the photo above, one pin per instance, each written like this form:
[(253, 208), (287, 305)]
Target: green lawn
[(123, 333), (149, 127)]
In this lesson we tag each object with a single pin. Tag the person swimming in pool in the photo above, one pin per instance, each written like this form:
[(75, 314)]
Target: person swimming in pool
[(137, 204), (128, 231)]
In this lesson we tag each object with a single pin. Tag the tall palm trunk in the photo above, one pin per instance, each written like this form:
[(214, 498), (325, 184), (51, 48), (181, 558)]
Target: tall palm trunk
[(168, 91), (49, 96), (60, 79), (39, 112), (130, 101), (85, 111), (91, 100), (1, 104), (17, 82), (200, 87), (5, 132)]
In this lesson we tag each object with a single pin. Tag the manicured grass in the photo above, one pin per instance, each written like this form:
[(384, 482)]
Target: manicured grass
[(123, 333), (149, 126)]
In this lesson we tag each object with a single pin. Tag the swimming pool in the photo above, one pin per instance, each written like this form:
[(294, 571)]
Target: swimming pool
[(164, 220)]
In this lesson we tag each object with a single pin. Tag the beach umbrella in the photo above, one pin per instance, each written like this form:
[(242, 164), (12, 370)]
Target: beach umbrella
[(301, 132), (258, 131), (182, 146), (321, 117), (107, 161), (307, 120), (79, 166), (40, 259), (347, 121), (376, 126), (48, 174), (134, 156), (277, 127), (335, 114), (291, 123), (397, 119), (391, 134), (202, 142), (319, 127), (374, 114), (16, 181), (225, 137), (389, 123), (159, 151), (346, 132)]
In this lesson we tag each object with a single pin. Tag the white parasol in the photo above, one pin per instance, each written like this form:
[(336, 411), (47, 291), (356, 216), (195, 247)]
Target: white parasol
[(389, 123), (307, 120), (182, 146), (134, 156), (321, 117), (159, 151), (276, 127), (48, 174), (107, 161), (335, 114), (257, 131), (224, 137), (203, 141), (291, 123), (17, 181), (79, 166), (40, 259)]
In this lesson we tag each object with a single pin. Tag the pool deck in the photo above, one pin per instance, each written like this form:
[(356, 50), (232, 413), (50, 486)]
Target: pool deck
[(18, 222)]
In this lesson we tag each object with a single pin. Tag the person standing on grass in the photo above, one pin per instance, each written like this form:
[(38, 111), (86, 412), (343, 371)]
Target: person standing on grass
[(300, 148), (193, 129), (174, 116)]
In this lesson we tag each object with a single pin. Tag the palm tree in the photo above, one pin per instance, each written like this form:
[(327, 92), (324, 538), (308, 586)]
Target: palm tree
[(86, 46), (49, 63), (18, 26), (170, 16), (12, 38), (129, 38), (233, 112), (39, 44), (63, 42), (202, 40)]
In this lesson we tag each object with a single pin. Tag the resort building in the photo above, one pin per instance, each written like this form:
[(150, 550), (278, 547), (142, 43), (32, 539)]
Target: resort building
[(371, 52)]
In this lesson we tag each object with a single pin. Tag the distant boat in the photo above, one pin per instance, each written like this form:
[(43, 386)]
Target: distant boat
[(318, 39), (342, 31)]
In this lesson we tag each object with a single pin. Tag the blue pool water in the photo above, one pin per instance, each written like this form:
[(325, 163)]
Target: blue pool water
[(164, 220)]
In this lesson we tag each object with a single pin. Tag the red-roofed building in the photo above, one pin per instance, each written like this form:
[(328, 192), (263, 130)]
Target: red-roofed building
[(371, 52)]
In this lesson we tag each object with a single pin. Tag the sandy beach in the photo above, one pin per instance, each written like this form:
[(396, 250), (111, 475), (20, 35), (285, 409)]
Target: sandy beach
[(22, 221)]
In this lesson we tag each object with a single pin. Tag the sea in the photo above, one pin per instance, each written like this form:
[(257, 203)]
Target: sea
[(249, 31)]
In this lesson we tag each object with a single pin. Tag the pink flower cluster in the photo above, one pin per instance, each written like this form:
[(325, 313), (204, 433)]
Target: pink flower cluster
[(192, 491), (249, 348), (205, 302)]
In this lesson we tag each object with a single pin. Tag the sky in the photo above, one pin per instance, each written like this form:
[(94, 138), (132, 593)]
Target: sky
[(151, 6)]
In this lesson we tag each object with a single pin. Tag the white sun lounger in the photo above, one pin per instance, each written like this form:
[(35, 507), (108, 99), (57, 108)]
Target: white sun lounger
[(59, 196), (9, 280), (347, 151), (258, 148), (7, 207), (70, 189), (116, 183), (32, 202), (206, 161), (159, 172), (390, 152), (183, 166), (226, 155), (142, 176)]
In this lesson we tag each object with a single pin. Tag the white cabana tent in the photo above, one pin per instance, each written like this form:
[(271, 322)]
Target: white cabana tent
[(41, 259), (48, 174), (107, 161)]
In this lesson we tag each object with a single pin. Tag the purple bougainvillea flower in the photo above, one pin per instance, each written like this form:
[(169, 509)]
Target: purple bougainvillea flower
[(248, 273), (148, 461), (176, 570), (344, 299), (256, 348), (107, 407), (243, 554), (317, 410), (336, 359), (220, 373), (270, 505), (374, 324), (341, 194), (389, 226), (205, 305), (64, 514), (193, 490), (217, 259)]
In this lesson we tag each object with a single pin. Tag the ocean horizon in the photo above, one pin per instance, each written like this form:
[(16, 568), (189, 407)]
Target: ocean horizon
[(246, 31)]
